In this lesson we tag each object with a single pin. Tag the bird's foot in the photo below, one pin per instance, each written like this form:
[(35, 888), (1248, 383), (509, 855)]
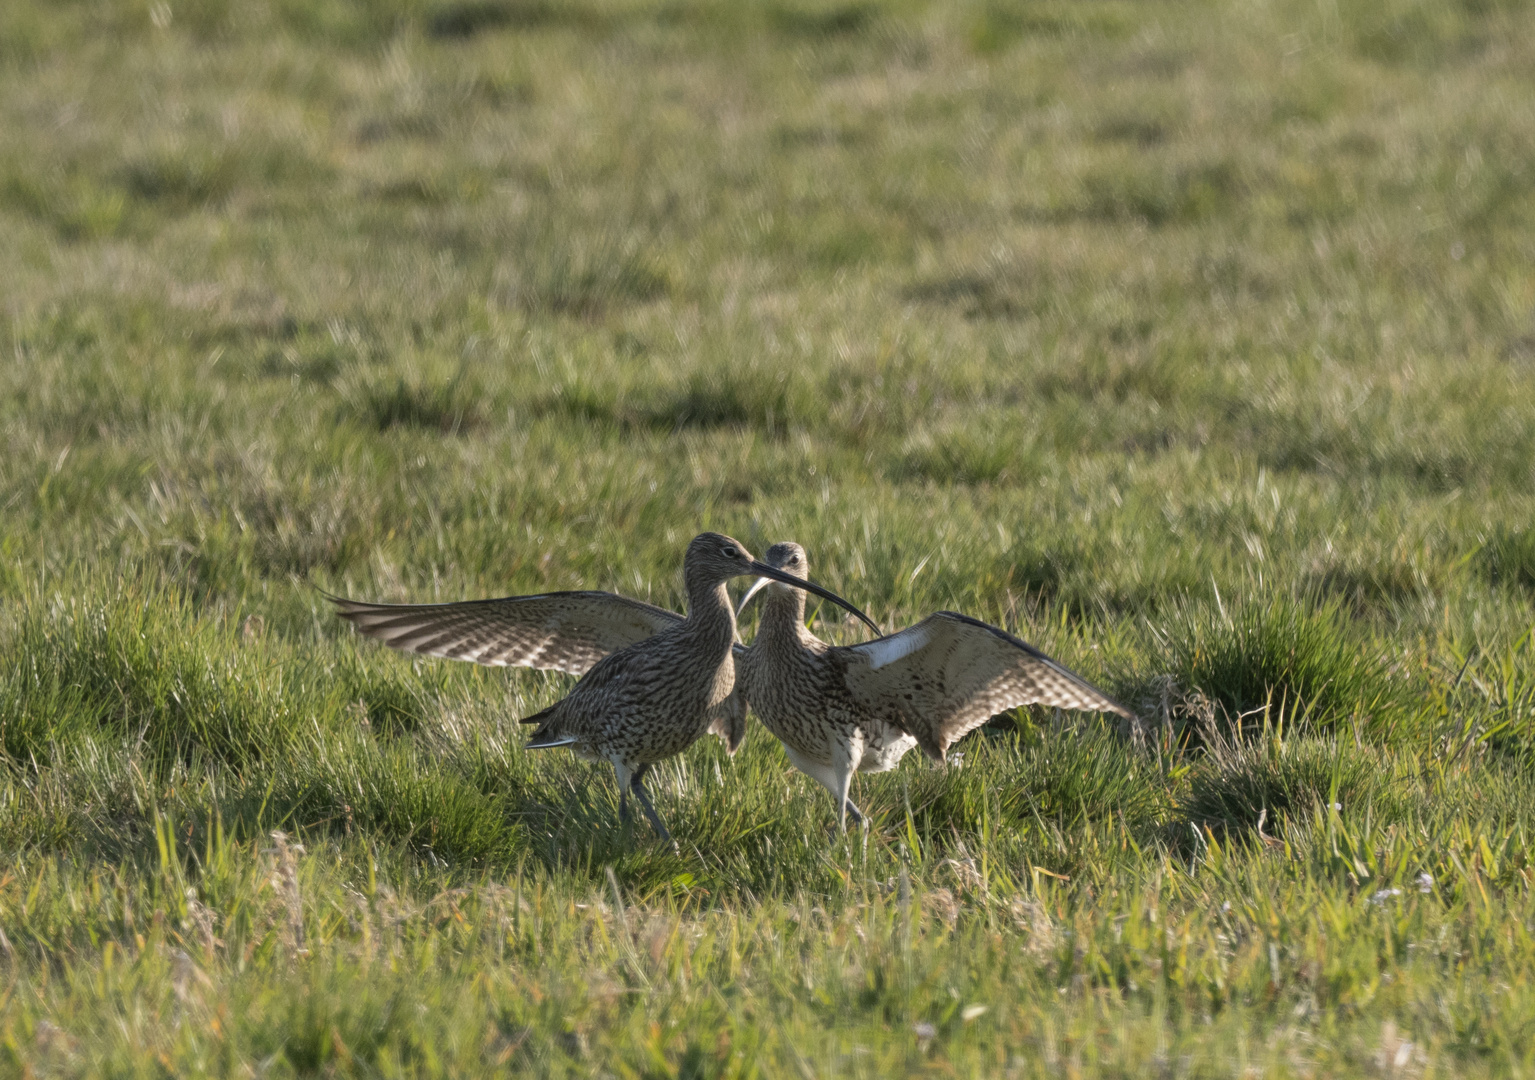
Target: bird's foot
[(650, 812), (850, 813)]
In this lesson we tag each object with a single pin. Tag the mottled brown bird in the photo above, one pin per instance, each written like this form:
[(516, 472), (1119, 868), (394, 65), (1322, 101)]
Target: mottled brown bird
[(838, 709), (651, 682)]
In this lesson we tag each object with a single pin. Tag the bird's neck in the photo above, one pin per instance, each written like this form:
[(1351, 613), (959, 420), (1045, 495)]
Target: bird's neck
[(710, 613), (783, 618)]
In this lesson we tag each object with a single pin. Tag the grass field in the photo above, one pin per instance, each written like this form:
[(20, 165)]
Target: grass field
[(1195, 342)]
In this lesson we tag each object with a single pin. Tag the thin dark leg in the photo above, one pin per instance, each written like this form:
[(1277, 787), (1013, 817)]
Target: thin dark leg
[(638, 785), (853, 812), (624, 778)]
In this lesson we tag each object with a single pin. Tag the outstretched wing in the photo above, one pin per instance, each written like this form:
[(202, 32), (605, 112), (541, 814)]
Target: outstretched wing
[(563, 631), (950, 673)]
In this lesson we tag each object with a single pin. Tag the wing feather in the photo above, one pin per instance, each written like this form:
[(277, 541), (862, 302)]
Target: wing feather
[(563, 631), (949, 674), (729, 720)]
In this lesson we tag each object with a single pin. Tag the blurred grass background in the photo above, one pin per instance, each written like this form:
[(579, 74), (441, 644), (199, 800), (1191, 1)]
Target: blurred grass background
[(1195, 342)]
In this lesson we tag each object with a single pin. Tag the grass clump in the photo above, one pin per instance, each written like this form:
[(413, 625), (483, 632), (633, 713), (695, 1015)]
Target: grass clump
[(744, 397), (821, 20), (182, 178), (549, 276), (1174, 193), (1367, 585), (998, 288), (1037, 786), (137, 663), (733, 396), (1277, 659), (466, 20), (1275, 781), (411, 399), (1507, 558), (77, 208), (999, 26), (972, 455)]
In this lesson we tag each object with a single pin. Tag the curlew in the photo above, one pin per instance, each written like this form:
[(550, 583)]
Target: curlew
[(652, 681), (840, 709)]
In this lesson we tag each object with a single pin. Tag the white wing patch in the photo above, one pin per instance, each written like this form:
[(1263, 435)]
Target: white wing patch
[(888, 650)]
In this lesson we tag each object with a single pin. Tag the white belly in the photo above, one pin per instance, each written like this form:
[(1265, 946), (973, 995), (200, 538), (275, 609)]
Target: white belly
[(885, 750)]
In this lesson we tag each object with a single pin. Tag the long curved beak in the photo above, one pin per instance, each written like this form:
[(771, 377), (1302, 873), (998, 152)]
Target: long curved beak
[(757, 586), (809, 586)]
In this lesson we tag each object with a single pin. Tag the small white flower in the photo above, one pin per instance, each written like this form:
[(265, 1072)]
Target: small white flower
[(958, 761), (1425, 882), (1384, 895), (925, 1030)]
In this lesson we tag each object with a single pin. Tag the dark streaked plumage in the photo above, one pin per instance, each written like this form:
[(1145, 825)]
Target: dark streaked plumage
[(667, 681), (562, 631), (838, 709)]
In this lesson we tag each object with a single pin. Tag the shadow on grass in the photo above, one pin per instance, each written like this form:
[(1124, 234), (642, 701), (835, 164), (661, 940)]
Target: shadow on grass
[(552, 278), (450, 406), (971, 455), (998, 26), (1369, 585), (1275, 781), (472, 17), (727, 397), (1507, 558), (822, 20)]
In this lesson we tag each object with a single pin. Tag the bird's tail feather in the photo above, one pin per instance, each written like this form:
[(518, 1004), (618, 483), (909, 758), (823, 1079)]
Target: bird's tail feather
[(548, 735), (538, 717), (550, 742)]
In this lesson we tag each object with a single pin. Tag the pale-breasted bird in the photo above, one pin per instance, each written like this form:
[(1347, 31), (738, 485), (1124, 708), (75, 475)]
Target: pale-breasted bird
[(838, 709)]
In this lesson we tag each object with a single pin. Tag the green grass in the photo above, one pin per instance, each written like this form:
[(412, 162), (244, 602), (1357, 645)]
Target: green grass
[(1193, 342)]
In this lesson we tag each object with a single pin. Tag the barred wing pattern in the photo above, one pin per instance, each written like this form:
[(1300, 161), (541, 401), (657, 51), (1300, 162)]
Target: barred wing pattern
[(563, 631), (949, 674)]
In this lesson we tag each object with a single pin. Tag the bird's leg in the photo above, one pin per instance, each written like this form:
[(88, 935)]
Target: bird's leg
[(844, 804), (625, 778), (845, 759), (638, 785)]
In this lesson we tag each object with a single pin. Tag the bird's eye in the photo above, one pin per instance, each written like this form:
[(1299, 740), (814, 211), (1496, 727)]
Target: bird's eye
[(729, 551)]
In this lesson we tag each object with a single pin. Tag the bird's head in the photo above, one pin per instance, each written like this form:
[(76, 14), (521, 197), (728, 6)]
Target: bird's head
[(717, 558), (786, 556)]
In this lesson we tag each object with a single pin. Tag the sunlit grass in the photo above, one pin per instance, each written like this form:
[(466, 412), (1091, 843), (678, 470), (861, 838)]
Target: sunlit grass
[(1191, 343)]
